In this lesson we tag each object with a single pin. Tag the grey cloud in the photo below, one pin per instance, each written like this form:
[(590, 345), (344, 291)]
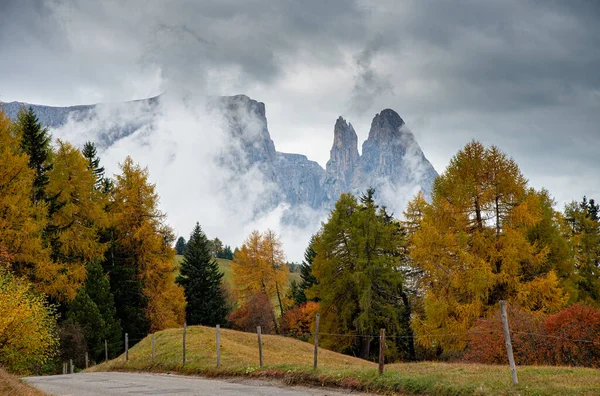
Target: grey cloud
[(368, 82), (519, 74)]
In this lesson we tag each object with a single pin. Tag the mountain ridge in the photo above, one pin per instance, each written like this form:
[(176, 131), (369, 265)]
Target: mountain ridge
[(391, 160)]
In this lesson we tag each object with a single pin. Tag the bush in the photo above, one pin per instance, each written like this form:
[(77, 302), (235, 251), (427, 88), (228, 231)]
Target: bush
[(570, 337), (578, 322), (299, 321), (257, 311), (27, 326), (486, 341)]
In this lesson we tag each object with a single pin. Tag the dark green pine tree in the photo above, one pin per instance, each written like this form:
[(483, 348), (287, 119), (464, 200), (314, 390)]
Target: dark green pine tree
[(200, 278), (181, 246), (94, 310), (90, 153), (306, 275), (35, 142), (227, 253)]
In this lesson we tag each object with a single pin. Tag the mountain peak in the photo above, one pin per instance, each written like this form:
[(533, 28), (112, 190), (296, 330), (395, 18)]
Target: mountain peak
[(385, 125), (343, 156)]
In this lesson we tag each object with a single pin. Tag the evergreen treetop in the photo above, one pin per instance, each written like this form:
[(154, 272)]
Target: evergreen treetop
[(35, 142), (200, 278)]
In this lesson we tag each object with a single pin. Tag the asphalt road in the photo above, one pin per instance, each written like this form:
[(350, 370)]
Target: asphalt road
[(104, 384)]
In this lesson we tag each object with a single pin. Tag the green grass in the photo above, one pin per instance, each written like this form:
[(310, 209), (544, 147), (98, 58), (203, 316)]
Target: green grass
[(225, 267), (291, 360)]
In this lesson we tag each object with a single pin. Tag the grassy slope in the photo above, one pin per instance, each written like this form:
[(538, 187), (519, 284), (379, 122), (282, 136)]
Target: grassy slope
[(292, 360), (225, 266), (10, 385)]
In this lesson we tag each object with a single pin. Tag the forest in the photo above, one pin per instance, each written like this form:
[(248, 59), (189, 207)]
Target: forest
[(85, 258)]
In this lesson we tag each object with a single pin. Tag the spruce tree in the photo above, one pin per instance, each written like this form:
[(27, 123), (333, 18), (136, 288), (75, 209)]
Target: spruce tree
[(94, 310), (180, 246), (90, 153), (35, 142), (298, 289), (201, 281)]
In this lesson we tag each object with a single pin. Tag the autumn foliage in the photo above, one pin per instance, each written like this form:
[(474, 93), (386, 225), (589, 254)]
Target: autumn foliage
[(299, 321), (27, 325), (259, 267), (570, 337), (256, 311), (473, 248)]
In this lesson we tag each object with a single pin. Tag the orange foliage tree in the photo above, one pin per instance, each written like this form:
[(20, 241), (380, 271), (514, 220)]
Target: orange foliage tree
[(299, 321), (256, 311)]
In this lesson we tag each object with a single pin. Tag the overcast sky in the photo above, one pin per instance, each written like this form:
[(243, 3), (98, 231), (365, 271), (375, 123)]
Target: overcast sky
[(524, 75)]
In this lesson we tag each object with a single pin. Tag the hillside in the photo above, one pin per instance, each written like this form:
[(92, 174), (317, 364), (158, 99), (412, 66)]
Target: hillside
[(225, 267), (291, 360)]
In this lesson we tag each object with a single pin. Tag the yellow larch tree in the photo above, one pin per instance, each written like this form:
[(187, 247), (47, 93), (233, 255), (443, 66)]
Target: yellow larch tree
[(142, 259), (259, 267), (77, 219), (22, 222), (472, 248)]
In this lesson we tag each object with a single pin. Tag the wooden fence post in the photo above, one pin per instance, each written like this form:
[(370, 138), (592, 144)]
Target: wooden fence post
[(152, 347), (105, 350), (65, 368), (260, 355), (509, 351), (316, 341), (381, 350), (184, 333), (86, 360), (218, 345), (72, 368), (126, 347)]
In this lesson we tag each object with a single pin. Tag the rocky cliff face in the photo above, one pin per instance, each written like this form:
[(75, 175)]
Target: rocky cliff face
[(391, 160), (132, 116), (343, 159)]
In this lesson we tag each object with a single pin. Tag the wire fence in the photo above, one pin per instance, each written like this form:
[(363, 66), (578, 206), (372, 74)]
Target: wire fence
[(316, 336)]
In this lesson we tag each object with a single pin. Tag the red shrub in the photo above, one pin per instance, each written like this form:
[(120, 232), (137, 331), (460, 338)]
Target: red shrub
[(577, 332), (298, 321), (486, 343), (257, 311)]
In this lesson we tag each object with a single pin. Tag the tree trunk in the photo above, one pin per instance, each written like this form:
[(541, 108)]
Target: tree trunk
[(365, 347), (478, 215), (279, 299), (497, 217), (412, 356)]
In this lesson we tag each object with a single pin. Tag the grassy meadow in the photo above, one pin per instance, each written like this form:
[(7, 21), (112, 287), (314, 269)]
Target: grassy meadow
[(225, 267), (291, 360)]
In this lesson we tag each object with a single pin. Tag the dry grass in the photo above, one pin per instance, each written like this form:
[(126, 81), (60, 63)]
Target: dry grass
[(291, 360), (12, 386)]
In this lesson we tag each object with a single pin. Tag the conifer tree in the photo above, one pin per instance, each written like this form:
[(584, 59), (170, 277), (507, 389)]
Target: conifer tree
[(94, 310), (584, 225), (473, 247), (307, 279), (140, 261), (22, 221), (201, 278), (259, 267), (90, 153), (35, 142), (358, 266), (181, 246)]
